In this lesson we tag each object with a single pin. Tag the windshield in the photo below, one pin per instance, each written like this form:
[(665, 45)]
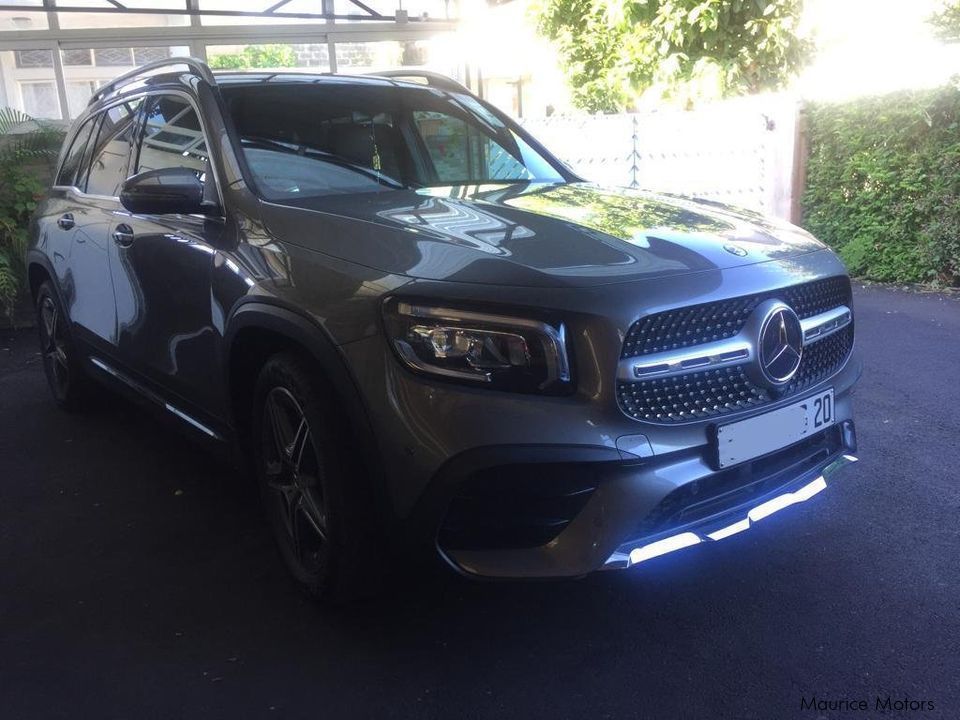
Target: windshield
[(303, 140)]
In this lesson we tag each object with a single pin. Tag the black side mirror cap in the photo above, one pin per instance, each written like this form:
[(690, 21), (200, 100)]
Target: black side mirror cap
[(162, 192)]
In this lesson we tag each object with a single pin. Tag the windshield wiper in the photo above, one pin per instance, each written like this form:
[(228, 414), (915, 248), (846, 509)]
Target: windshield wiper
[(324, 156)]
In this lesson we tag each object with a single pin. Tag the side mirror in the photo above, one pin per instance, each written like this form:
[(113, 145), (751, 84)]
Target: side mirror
[(164, 191)]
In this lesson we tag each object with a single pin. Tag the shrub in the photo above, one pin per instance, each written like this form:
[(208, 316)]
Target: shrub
[(883, 184), (27, 150)]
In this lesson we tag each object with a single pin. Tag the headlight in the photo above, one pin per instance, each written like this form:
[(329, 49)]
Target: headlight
[(496, 351)]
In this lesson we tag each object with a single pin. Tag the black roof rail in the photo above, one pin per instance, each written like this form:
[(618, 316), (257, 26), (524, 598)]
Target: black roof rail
[(433, 79), (197, 67)]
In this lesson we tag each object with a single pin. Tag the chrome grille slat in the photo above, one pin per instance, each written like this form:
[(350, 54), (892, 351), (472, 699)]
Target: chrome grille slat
[(820, 326)]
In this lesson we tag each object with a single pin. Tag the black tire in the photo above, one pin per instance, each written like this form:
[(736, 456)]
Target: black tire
[(314, 494), (62, 365)]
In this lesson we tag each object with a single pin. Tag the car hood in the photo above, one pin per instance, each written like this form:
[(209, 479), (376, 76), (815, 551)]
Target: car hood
[(548, 235)]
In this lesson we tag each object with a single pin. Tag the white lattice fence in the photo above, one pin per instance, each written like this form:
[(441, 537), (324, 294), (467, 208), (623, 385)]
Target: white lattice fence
[(739, 152)]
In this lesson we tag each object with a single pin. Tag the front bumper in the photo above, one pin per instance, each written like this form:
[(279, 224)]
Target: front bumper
[(462, 466), (729, 523), (639, 510)]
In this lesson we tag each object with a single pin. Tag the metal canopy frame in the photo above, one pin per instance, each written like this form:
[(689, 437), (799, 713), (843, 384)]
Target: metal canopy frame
[(322, 27), (272, 10)]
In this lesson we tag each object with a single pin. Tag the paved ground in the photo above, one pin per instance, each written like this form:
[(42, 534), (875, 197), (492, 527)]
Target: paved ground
[(137, 581)]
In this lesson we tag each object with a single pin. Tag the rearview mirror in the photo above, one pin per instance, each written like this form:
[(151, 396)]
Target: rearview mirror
[(163, 191)]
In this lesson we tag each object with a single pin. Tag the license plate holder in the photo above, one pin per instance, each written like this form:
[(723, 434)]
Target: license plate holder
[(760, 435)]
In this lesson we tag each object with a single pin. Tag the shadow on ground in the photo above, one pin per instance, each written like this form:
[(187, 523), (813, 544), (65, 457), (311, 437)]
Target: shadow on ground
[(138, 581)]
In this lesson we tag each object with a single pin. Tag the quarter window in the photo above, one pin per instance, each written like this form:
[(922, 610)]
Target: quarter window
[(71, 163), (111, 153)]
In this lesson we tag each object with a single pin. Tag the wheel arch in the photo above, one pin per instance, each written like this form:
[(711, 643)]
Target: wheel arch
[(39, 270), (264, 329)]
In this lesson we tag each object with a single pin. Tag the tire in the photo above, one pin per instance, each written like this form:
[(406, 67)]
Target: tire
[(62, 364), (314, 496)]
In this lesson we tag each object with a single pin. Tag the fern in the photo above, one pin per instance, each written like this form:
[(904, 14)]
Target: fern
[(24, 138), (9, 284)]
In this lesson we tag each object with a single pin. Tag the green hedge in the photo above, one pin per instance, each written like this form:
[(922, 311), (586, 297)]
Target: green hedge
[(883, 184)]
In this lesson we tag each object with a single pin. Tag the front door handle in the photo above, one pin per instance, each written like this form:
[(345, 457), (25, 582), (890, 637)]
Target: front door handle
[(65, 221), (123, 235)]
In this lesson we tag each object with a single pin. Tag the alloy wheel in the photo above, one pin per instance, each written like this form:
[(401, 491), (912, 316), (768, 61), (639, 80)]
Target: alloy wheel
[(293, 479), (53, 345)]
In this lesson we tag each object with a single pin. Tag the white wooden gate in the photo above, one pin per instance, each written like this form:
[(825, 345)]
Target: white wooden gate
[(739, 151)]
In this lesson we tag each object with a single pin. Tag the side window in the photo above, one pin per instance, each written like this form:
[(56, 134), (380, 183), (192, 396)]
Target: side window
[(71, 163), (172, 137), (463, 153), (111, 153)]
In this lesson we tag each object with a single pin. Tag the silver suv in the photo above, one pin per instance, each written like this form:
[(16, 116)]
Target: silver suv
[(425, 335)]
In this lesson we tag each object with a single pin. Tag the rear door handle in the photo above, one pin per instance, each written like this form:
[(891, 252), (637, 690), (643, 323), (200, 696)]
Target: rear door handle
[(65, 221), (123, 235)]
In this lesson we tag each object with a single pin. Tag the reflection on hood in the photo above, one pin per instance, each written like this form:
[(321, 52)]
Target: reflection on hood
[(533, 234)]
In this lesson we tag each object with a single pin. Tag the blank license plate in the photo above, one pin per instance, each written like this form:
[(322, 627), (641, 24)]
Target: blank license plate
[(748, 439)]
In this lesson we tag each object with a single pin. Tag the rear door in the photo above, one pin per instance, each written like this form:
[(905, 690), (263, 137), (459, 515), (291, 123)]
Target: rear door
[(59, 213), (97, 186), (162, 267)]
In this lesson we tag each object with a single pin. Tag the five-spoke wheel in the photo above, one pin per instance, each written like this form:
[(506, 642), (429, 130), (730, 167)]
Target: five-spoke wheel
[(293, 474), (59, 362), (314, 493)]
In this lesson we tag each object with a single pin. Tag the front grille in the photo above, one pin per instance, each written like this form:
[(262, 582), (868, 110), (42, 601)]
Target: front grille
[(822, 359), (699, 324), (711, 393), (690, 397)]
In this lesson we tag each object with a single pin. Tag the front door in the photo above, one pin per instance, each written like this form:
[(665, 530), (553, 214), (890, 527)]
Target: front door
[(162, 267)]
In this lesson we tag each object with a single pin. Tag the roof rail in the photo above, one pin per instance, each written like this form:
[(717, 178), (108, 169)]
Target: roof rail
[(198, 67), (433, 79)]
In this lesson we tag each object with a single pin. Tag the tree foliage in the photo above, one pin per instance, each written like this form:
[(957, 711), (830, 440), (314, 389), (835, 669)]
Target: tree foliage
[(613, 50), (883, 184), (255, 57), (946, 21)]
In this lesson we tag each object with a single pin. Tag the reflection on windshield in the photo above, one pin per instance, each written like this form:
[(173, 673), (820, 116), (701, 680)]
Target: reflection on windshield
[(309, 173), (312, 140)]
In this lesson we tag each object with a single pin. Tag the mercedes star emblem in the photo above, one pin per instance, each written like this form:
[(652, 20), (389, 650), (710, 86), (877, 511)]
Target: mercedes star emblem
[(781, 345)]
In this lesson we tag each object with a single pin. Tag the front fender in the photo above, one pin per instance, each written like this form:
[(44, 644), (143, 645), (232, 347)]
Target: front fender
[(263, 314)]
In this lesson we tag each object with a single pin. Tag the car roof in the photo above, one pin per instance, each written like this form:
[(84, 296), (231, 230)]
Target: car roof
[(234, 78)]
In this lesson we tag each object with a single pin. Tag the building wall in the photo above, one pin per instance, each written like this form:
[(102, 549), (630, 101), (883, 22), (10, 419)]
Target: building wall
[(28, 77)]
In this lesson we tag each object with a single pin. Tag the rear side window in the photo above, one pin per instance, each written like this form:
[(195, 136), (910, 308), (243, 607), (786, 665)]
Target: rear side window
[(172, 137), (71, 163), (111, 153)]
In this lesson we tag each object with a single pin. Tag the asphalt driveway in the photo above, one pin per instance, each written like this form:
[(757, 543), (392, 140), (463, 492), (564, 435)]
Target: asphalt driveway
[(137, 581)]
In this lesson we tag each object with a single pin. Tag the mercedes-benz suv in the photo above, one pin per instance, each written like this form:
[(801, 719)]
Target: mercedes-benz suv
[(425, 334)]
